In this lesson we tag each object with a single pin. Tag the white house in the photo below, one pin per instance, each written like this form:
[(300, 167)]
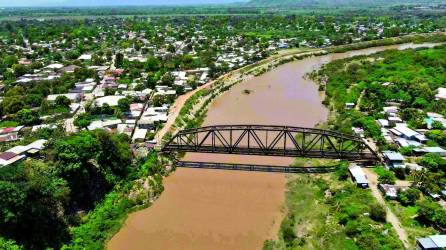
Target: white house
[(73, 97), (111, 100), (358, 176), (441, 94)]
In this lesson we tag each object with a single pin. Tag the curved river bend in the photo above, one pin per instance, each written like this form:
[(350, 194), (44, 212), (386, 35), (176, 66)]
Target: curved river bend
[(220, 209)]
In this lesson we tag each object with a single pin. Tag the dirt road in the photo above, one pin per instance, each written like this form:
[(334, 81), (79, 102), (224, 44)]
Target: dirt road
[(391, 217)]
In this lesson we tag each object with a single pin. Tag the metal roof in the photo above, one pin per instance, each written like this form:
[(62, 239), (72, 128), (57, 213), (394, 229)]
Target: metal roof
[(427, 243), (439, 240), (7, 155), (393, 156)]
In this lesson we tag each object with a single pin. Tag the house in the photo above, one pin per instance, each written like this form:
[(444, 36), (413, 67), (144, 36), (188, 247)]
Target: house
[(85, 57), (443, 194), (18, 153), (394, 159), (136, 109), (391, 110), (10, 134), (403, 131), (414, 166), (394, 120), (73, 97), (54, 66), (349, 105), (146, 123), (435, 117), (441, 94), (434, 242), (103, 124), (125, 129), (123, 86), (139, 135), (8, 158), (358, 176), (111, 100), (42, 126), (358, 131), (389, 191), (68, 69), (407, 143), (383, 123), (434, 150)]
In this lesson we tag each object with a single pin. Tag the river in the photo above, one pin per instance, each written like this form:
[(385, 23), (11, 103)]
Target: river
[(220, 209)]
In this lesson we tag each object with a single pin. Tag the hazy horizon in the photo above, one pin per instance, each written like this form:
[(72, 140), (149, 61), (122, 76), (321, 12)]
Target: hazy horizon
[(87, 3)]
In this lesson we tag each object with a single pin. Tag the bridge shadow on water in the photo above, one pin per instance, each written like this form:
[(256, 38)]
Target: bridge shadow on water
[(254, 167)]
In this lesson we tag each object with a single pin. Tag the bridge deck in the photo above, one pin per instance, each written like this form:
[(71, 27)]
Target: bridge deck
[(253, 167)]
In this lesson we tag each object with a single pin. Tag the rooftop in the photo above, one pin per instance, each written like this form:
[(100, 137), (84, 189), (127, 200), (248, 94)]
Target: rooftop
[(393, 156), (111, 100)]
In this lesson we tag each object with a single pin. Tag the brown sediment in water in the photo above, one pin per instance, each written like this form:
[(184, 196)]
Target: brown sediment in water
[(217, 209), (207, 209)]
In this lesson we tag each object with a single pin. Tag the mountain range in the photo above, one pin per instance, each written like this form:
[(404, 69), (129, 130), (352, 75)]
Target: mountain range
[(334, 3)]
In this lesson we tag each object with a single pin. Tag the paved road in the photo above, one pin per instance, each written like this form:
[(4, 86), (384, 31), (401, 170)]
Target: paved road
[(391, 217)]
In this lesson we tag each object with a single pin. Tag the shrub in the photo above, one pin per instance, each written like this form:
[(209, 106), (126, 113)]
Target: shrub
[(342, 172), (385, 176), (409, 196), (27, 117), (9, 244), (287, 229), (62, 101), (378, 213)]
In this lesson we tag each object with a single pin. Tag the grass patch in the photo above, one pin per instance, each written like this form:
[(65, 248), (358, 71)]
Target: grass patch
[(7, 124), (407, 216), (312, 162)]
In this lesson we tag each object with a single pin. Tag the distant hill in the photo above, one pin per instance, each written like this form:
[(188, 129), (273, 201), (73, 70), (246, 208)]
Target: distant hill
[(333, 3)]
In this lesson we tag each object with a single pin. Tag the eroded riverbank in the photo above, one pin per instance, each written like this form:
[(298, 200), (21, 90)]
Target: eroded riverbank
[(213, 209)]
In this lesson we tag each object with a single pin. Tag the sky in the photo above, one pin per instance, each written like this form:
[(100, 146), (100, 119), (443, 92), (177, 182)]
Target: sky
[(46, 3)]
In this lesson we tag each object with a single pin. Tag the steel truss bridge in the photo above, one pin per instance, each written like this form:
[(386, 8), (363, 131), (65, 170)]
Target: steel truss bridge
[(285, 141)]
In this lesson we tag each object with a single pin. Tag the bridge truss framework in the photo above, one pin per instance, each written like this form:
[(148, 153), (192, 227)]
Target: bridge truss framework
[(271, 141)]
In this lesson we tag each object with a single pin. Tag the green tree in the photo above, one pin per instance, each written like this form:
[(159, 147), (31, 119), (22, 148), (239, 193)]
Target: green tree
[(106, 109), (27, 117), (11, 105), (44, 107), (124, 104), (91, 162), (119, 60), (387, 177), (63, 101), (13, 202), (167, 79), (408, 197), (378, 213), (19, 69), (83, 120), (9, 244)]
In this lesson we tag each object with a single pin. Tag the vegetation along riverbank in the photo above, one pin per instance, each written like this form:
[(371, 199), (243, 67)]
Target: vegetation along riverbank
[(390, 90)]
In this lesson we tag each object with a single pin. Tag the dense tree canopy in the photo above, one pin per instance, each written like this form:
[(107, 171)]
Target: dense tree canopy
[(40, 199)]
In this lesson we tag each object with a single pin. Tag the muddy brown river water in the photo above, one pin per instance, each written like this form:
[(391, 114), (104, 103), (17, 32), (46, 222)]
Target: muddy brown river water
[(220, 209)]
